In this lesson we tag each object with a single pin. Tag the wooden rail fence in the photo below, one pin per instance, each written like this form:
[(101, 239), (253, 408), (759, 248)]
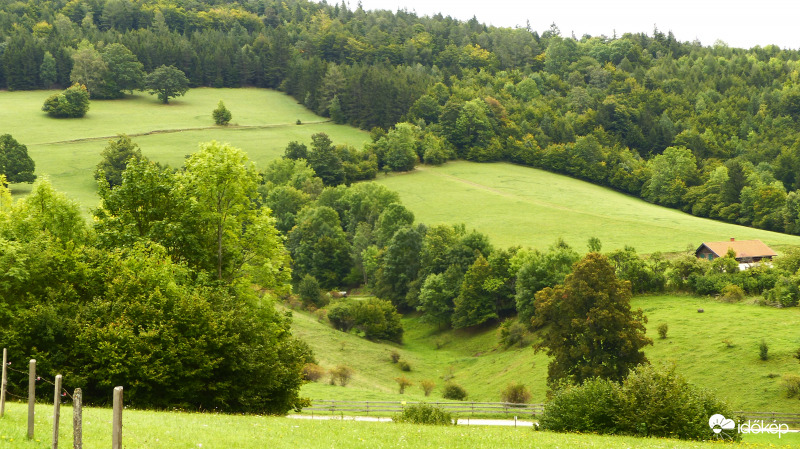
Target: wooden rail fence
[(387, 408), (458, 408)]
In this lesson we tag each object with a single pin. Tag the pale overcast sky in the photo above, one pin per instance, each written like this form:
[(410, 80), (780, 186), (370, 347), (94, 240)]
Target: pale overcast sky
[(738, 23)]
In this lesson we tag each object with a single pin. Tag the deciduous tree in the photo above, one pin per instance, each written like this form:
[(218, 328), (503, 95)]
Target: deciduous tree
[(592, 331)]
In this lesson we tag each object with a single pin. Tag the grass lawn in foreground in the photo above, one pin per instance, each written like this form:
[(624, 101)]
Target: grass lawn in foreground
[(516, 205), (169, 430), (67, 150), (475, 359)]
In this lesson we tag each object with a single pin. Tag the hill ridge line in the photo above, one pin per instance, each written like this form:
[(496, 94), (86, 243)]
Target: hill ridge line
[(179, 130)]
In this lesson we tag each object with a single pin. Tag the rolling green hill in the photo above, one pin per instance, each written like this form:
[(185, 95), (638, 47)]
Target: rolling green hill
[(717, 349), (67, 150), (517, 205)]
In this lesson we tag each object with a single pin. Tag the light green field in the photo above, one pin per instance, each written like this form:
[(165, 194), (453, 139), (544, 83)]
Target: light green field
[(67, 150), (165, 430), (517, 205), (477, 361)]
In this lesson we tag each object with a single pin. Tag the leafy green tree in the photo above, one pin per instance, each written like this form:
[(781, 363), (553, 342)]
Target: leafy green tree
[(324, 160), (124, 72), (672, 172), (319, 246), (115, 159), (148, 206), (222, 116), (592, 331), (48, 71), (394, 217), (166, 82), (237, 236), (542, 270), (15, 164), (400, 267), (47, 212), (397, 149), (88, 67), (310, 293), (474, 305), (71, 103), (436, 298), (296, 150), (286, 202)]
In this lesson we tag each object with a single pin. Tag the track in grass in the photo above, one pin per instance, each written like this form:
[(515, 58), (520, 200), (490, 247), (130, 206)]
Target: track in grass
[(518, 205)]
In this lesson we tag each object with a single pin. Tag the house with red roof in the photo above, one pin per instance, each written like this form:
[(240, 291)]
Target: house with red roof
[(748, 252)]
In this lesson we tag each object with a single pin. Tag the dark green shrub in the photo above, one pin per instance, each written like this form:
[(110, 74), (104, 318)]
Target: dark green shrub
[(662, 330), (341, 315), (731, 293), (513, 333), (516, 393), (454, 391), (394, 356), (378, 319), (71, 103), (650, 402), (310, 293), (424, 414), (591, 407), (404, 366), (222, 116), (657, 402), (786, 292), (763, 350)]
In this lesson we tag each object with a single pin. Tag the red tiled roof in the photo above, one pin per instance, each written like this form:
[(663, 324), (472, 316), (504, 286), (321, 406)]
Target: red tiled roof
[(743, 248)]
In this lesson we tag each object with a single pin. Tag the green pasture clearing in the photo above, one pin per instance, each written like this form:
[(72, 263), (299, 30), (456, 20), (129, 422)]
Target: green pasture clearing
[(67, 150), (475, 359), (517, 205), (168, 430)]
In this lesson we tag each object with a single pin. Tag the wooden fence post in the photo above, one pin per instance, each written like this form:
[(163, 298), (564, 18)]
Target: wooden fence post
[(77, 419), (56, 410), (31, 396), (4, 383), (116, 436)]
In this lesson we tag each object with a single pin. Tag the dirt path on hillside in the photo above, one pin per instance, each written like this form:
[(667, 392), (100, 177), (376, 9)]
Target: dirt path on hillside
[(180, 130)]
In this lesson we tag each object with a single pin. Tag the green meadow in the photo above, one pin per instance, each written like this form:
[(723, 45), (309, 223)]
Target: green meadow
[(517, 205), (67, 150), (169, 430), (717, 349)]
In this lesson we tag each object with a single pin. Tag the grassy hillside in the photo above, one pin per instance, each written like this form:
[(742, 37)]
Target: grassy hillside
[(168, 430), (517, 205), (67, 150), (475, 360)]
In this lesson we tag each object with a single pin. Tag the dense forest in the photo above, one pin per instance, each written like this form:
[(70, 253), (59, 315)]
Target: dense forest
[(710, 130)]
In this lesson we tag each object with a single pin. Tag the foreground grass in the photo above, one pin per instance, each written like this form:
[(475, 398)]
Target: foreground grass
[(67, 150), (697, 343), (168, 430), (517, 205)]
